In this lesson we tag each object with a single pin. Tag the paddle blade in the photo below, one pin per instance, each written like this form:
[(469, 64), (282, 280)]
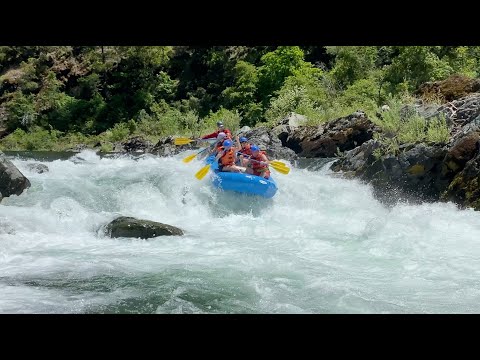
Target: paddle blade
[(182, 141), (279, 163), (189, 158), (281, 169), (202, 172)]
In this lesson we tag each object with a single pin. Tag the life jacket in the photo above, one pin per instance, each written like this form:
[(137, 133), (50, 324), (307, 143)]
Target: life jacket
[(256, 166), (228, 158)]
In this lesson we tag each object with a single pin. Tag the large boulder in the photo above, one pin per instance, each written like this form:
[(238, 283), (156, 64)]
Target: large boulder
[(465, 187), (261, 136), (462, 112), (463, 148), (415, 173), (137, 144), (12, 181), (287, 125), (136, 228), (327, 140)]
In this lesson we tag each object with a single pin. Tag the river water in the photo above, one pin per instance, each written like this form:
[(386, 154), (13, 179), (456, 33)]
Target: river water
[(323, 244)]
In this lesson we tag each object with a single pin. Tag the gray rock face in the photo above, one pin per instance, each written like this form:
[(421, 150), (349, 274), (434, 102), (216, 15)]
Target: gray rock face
[(415, 174), (328, 139), (136, 228), (262, 136), (465, 187), (287, 125), (137, 144), (12, 181)]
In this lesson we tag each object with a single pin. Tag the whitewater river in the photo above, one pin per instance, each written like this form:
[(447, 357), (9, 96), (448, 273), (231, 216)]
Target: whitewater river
[(322, 245)]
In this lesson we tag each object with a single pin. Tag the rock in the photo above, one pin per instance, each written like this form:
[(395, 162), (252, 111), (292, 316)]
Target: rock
[(131, 227), (12, 181), (261, 136), (465, 187), (137, 144), (327, 140), (415, 174), (38, 168), (287, 125)]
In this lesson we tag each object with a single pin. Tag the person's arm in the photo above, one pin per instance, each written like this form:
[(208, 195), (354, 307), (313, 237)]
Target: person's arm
[(210, 136), (265, 159), (238, 146)]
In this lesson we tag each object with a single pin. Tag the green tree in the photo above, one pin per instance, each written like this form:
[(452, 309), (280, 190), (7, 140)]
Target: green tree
[(352, 63), (415, 65), (276, 67)]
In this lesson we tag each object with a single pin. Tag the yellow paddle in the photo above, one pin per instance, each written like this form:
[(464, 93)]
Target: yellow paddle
[(273, 162), (192, 156), (189, 158), (281, 169), (183, 141), (202, 172), (277, 165)]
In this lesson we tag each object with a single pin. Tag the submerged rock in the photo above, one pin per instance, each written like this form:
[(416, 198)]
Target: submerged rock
[(38, 168), (131, 227)]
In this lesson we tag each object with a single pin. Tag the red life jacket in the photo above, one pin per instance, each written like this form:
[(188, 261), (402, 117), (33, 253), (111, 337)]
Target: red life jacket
[(256, 166), (228, 158)]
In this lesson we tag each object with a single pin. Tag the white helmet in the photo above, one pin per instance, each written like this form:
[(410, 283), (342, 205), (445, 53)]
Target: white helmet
[(221, 136)]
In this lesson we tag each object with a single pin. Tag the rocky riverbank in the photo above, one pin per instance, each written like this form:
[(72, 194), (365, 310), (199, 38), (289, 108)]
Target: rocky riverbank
[(415, 171)]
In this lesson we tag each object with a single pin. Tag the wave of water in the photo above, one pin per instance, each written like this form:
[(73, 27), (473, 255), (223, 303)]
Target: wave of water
[(322, 245)]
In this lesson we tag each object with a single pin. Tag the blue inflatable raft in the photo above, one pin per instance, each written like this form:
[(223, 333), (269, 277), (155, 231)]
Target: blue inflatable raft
[(242, 183)]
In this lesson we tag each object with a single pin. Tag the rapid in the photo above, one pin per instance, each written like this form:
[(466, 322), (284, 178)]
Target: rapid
[(321, 245)]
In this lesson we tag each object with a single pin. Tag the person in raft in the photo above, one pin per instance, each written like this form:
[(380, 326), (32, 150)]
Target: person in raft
[(243, 147), (226, 158), (258, 163), (216, 147), (220, 128)]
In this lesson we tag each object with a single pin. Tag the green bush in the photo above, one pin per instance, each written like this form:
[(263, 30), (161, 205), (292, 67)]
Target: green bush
[(437, 130), (35, 139)]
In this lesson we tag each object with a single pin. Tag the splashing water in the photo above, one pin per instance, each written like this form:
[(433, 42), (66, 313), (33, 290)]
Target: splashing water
[(322, 245)]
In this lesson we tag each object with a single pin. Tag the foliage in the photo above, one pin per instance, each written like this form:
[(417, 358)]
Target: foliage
[(352, 63), (112, 92)]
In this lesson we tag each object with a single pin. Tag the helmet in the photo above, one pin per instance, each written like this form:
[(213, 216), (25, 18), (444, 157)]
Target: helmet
[(243, 139), (227, 143), (221, 135), (219, 123), (262, 147), (254, 148)]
